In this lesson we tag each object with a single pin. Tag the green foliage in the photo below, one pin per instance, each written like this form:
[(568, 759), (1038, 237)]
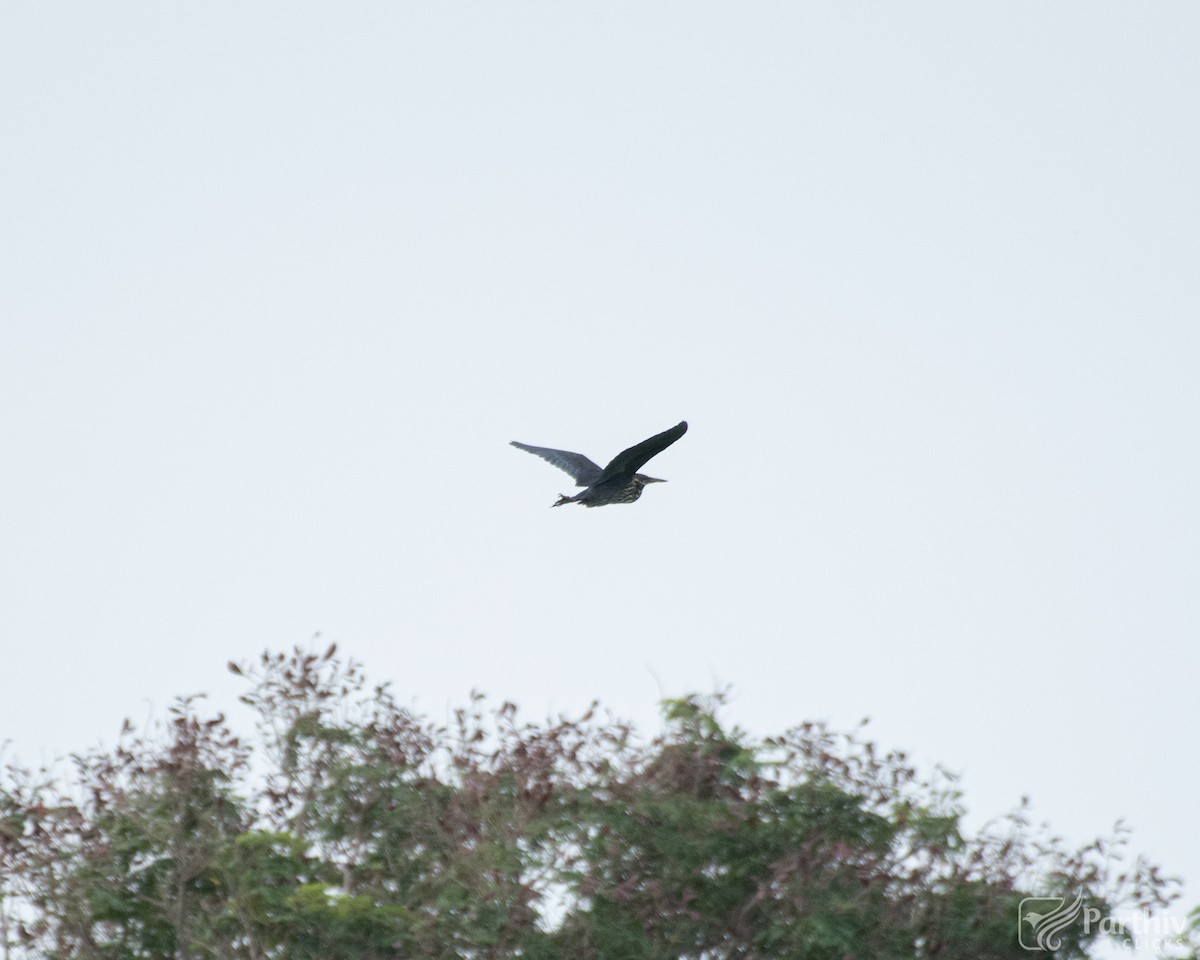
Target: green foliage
[(347, 827)]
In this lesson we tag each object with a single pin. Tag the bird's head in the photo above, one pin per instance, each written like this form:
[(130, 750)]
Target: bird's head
[(645, 479)]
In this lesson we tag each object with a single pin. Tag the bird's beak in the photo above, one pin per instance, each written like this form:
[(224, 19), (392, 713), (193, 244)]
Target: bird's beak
[(654, 480)]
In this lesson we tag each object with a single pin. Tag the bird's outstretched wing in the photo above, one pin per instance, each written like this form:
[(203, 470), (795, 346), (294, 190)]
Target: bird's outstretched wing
[(580, 468), (631, 460)]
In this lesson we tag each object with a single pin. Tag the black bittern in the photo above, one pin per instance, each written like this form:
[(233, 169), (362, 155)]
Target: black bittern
[(619, 482)]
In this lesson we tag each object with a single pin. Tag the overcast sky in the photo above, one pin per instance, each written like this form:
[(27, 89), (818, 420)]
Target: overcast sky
[(281, 282)]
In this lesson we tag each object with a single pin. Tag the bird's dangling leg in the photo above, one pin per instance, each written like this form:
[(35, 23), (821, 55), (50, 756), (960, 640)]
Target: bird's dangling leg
[(562, 498)]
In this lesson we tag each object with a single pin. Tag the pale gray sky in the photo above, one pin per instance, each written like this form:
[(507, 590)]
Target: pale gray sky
[(282, 281)]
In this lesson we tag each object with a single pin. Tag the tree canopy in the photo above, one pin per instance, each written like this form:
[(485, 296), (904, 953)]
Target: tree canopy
[(345, 826)]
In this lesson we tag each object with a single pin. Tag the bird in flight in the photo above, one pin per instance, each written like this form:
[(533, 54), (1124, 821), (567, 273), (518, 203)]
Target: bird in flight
[(619, 482)]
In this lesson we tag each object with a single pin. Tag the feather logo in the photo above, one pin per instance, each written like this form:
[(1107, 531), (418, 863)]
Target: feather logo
[(1046, 919)]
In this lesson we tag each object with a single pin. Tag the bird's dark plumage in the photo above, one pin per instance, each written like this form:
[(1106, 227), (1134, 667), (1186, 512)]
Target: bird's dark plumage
[(576, 465), (619, 482)]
